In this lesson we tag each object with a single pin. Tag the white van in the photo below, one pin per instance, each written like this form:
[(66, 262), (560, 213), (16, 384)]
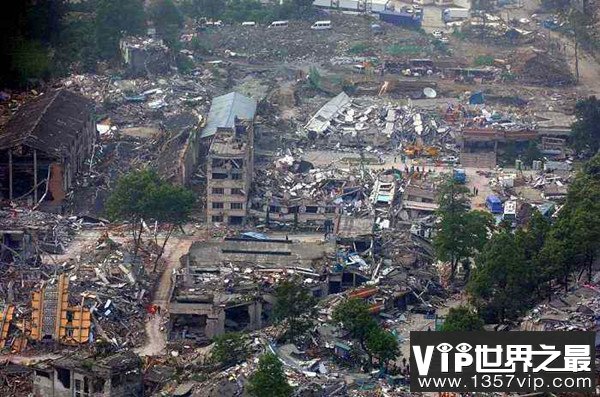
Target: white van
[(321, 25), (248, 23), (279, 24)]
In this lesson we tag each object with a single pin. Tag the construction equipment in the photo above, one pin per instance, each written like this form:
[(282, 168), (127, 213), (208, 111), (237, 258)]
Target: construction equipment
[(418, 150)]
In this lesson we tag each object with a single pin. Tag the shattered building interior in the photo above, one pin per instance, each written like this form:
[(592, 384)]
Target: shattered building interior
[(45, 146)]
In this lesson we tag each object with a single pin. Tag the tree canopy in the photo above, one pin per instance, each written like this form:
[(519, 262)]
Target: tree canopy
[(168, 20), (585, 135), (354, 315), (230, 348), (115, 19), (460, 233), (269, 380), (461, 318), (143, 195), (294, 305), (383, 345)]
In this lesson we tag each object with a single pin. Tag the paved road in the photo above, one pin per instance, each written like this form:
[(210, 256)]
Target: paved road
[(156, 333)]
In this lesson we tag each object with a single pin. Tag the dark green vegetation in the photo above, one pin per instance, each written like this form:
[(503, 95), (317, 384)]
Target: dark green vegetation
[(143, 196), (462, 319), (354, 316), (586, 130), (269, 380), (50, 38), (295, 306), (229, 349), (461, 233), (514, 271)]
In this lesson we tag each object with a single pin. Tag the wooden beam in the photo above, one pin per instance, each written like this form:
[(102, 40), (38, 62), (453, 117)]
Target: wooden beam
[(35, 176), (10, 175)]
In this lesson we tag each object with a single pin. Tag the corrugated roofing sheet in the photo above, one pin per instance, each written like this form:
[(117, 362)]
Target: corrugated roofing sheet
[(225, 108), (50, 122), (320, 122)]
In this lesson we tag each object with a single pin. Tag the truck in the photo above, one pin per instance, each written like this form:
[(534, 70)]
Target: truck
[(454, 14), (377, 6), (459, 175), (350, 5), (493, 204), (401, 18), (510, 212)]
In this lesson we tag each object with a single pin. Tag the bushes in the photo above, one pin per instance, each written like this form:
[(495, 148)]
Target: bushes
[(484, 60), (360, 49)]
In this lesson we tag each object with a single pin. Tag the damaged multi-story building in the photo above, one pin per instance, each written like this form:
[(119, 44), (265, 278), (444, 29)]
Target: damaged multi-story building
[(118, 375), (144, 56), (227, 285), (44, 146), (229, 142)]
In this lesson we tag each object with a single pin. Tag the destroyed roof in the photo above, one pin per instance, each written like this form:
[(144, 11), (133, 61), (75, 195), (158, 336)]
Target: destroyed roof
[(269, 253), (225, 109), (50, 122), (119, 361), (320, 121)]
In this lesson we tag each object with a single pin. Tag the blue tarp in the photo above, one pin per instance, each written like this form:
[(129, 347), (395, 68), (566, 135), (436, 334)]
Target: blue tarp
[(494, 204), (476, 99)]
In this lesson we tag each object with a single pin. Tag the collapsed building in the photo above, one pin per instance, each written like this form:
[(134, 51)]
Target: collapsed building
[(229, 137), (54, 319), (227, 285), (44, 146), (144, 56), (293, 194), (82, 375)]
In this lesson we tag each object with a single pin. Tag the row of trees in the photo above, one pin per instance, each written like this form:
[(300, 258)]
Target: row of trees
[(47, 38), (515, 270)]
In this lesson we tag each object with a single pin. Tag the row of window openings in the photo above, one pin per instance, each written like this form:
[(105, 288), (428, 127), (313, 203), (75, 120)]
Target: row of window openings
[(220, 190), (234, 206), (234, 175)]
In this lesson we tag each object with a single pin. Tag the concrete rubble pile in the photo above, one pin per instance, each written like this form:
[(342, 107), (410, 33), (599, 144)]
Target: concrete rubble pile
[(355, 123), (116, 287), (50, 233), (575, 310)]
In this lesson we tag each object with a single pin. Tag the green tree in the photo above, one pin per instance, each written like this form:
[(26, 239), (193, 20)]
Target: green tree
[(574, 242), (294, 305), (212, 9), (143, 195), (113, 20), (30, 60), (269, 380), (461, 318), (314, 78), (585, 135), (532, 239), (231, 348), (501, 285), (460, 233), (355, 318), (383, 345), (168, 21), (531, 153), (483, 7)]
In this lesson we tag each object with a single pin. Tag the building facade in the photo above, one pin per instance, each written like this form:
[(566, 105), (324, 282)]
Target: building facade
[(45, 145), (230, 159)]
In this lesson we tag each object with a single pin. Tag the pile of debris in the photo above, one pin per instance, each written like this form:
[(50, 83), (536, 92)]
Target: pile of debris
[(540, 68)]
